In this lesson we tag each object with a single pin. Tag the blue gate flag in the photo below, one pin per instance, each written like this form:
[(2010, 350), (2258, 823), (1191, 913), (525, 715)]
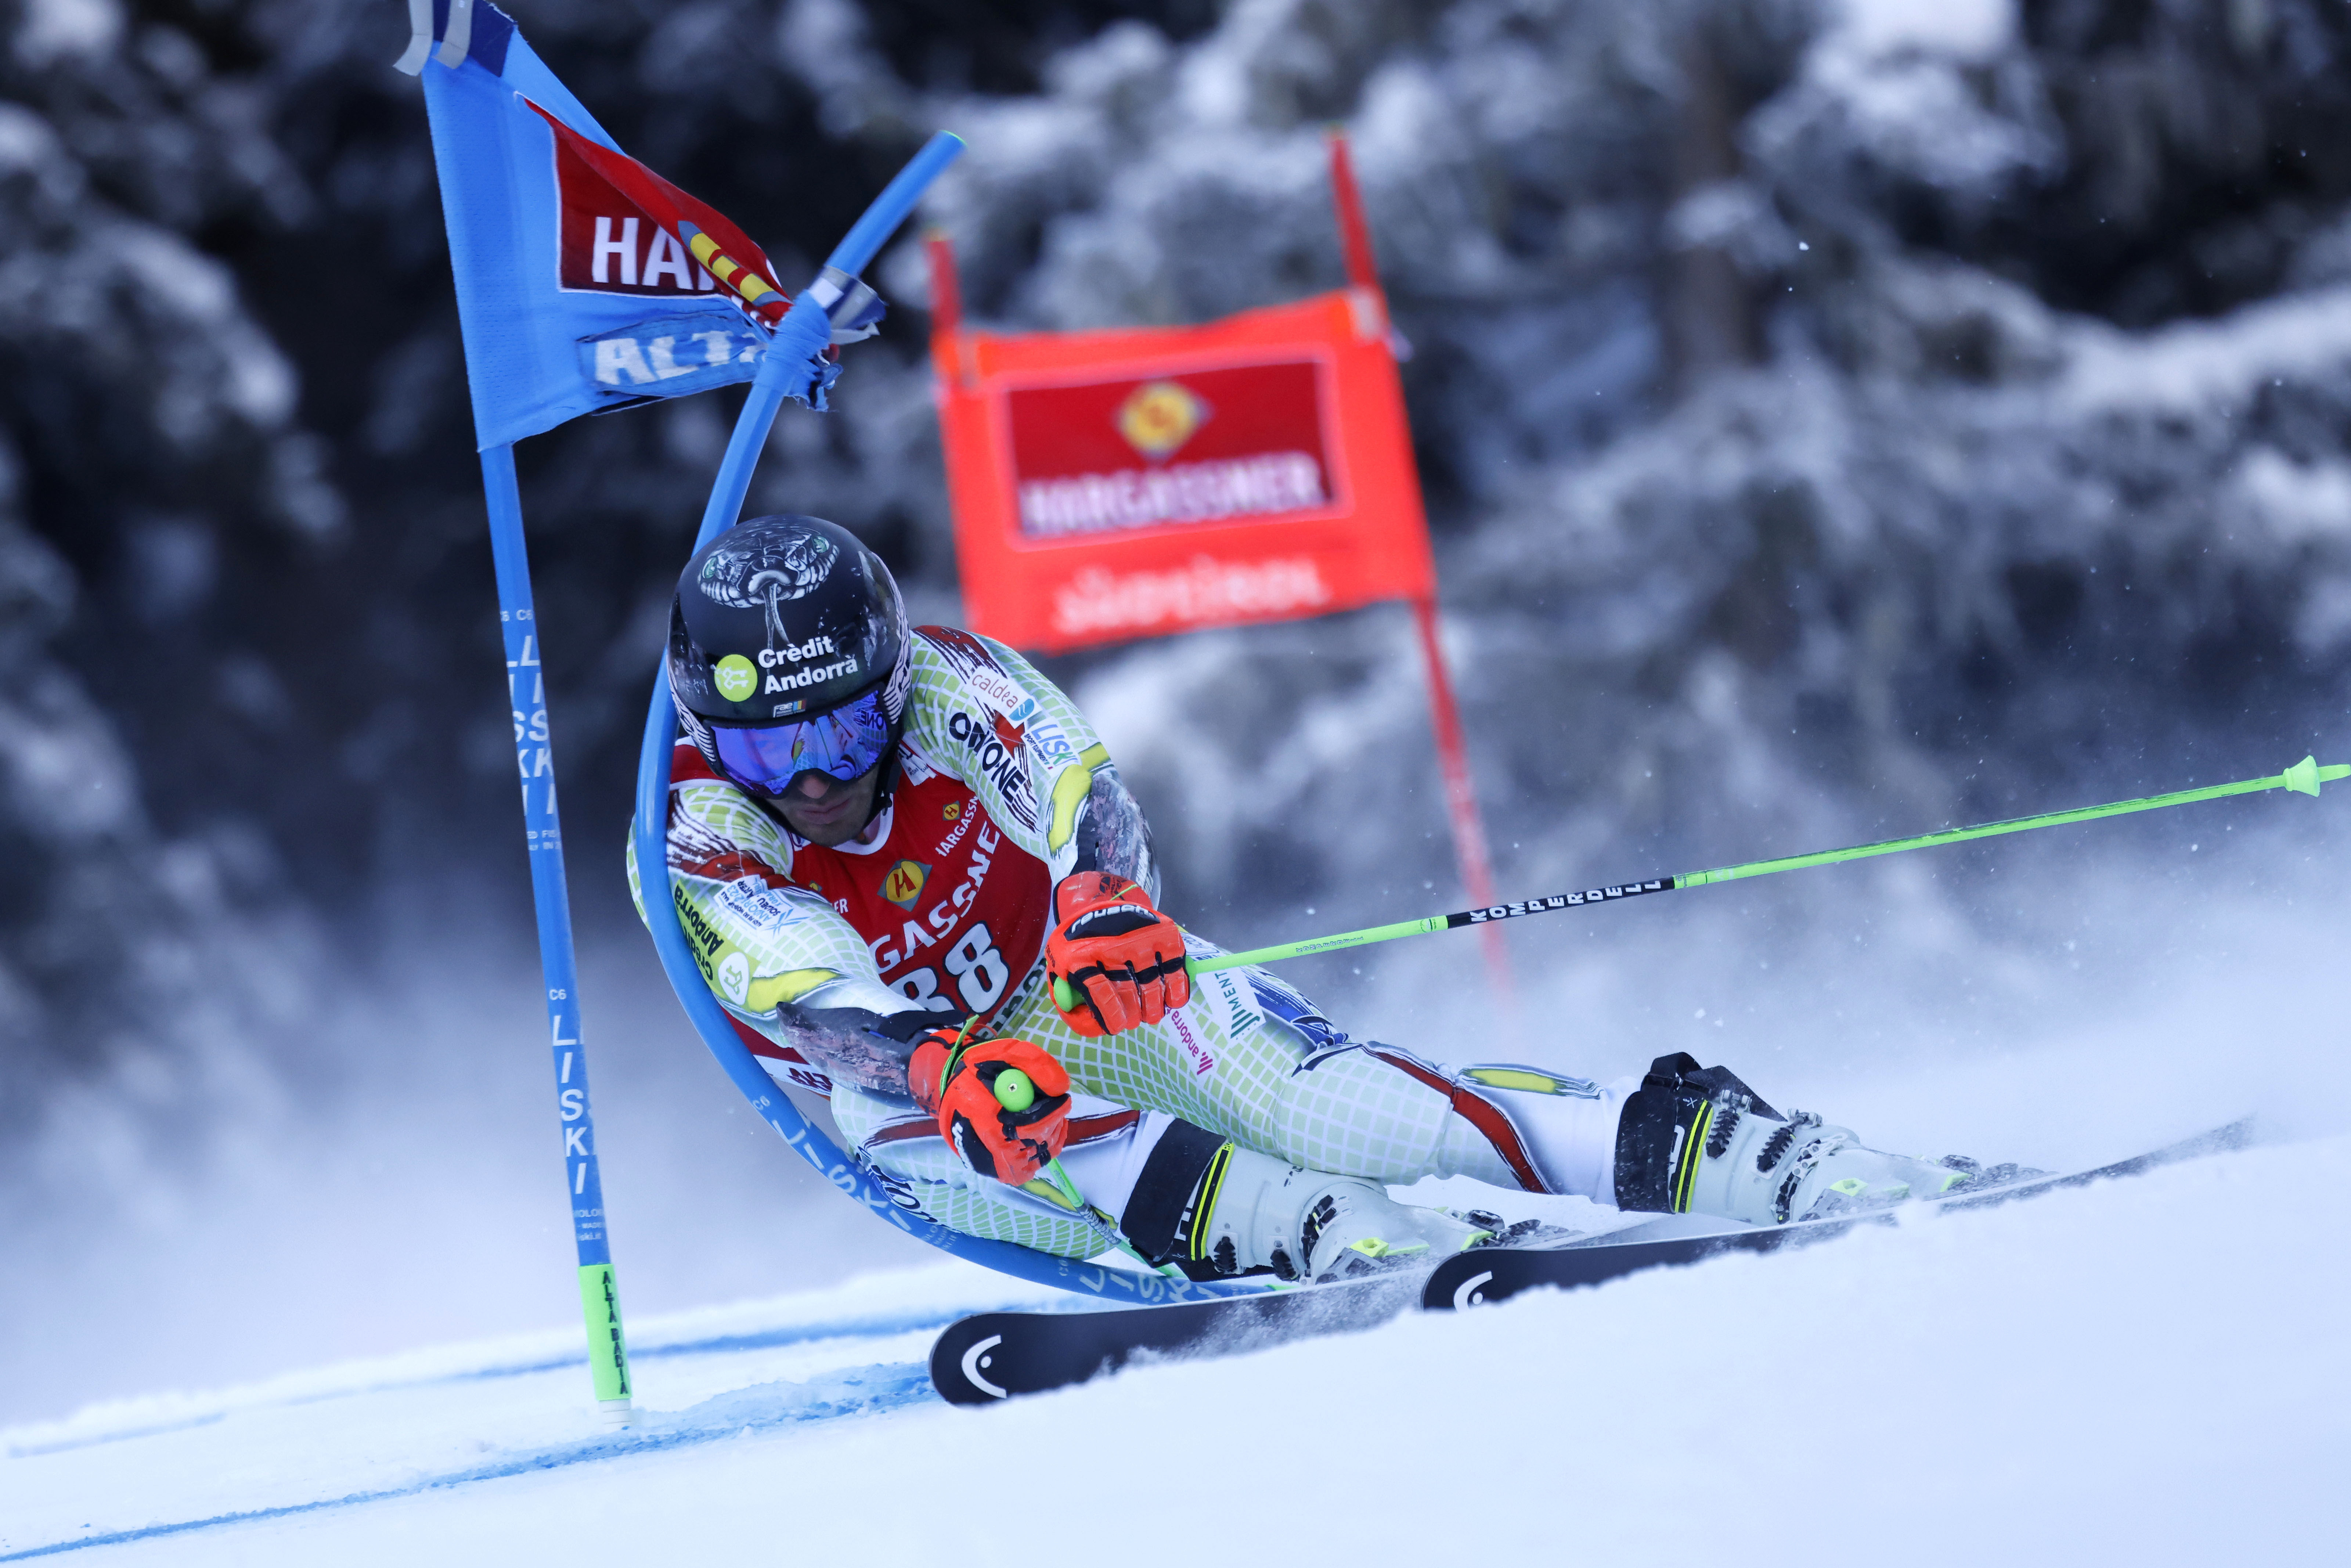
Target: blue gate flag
[(585, 281)]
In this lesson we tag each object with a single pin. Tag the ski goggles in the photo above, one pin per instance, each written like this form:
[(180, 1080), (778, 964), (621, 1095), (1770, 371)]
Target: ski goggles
[(844, 744)]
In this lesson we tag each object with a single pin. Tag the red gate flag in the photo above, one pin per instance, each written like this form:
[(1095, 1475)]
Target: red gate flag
[(1115, 485), (1127, 484)]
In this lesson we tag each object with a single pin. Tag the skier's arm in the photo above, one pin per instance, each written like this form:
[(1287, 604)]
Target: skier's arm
[(1099, 827), (854, 1043), (1111, 835), (779, 956), (813, 986), (847, 1024), (988, 717)]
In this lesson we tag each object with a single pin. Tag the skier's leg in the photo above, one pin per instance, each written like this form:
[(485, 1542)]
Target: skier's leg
[(1291, 1085), (1681, 1139), (1505, 1124), (1213, 1208), (1325, 1123), (901, 1144), (1251, 1061), (1289, 1082), (1179, 1194)]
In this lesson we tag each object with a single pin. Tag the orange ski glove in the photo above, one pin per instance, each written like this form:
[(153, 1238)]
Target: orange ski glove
[(1003, 1105), (1114, 960)]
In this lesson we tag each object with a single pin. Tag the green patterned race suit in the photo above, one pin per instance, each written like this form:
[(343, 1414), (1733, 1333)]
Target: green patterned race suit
[(790, 964)]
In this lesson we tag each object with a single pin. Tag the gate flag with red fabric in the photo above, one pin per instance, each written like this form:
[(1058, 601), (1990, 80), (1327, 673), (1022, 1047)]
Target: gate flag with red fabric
[(1114, 485), (1126, 483), (585, 281)]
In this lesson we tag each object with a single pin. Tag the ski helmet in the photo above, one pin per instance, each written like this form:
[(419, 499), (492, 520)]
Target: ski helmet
[(789, 653)]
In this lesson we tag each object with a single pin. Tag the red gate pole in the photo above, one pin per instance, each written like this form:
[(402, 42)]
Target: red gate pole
[(946, 289), (1453, 762), (1444, 713), (946, 308)]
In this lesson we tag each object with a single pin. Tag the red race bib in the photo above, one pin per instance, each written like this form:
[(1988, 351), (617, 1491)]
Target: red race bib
[(952, 910)]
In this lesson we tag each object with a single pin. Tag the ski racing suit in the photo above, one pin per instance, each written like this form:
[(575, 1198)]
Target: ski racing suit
[(830, 959)]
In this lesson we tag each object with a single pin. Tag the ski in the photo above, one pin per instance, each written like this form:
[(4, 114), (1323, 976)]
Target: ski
[(1489, 1275), (997, 1355)]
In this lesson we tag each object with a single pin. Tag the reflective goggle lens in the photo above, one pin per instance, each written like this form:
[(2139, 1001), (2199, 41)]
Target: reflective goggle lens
[(843, 744)]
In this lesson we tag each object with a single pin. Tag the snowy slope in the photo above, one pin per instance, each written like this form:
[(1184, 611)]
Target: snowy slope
[(2149, 1371)]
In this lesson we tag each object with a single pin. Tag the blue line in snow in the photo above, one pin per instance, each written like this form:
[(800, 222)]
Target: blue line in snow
[(722, 1344), (67, 1445), (864, 1391), (764, 1339)]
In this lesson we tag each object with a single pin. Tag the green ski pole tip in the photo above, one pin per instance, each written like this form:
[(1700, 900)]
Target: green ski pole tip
[(1015, 1090)]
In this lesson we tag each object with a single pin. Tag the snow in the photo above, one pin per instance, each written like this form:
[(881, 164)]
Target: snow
[(2143, 1371), (54, 28), (2149, 1370), (2196, 369), (1971, 30)]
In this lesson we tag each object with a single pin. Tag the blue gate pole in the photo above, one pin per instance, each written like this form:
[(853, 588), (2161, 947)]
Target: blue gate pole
[(599, 1300)]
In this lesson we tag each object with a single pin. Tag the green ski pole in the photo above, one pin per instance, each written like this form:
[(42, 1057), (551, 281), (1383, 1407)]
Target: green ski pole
[(2303, 778)]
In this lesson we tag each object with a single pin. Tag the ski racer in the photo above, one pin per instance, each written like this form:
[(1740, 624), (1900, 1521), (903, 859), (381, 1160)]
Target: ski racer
[(892, 846)]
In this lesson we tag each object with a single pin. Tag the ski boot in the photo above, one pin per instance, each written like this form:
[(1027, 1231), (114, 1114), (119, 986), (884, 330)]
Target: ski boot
[(1699, 1141), (1247, 1213)]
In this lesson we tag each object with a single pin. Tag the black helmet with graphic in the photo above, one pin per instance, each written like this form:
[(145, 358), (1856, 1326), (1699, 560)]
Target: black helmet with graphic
[(780, 620)]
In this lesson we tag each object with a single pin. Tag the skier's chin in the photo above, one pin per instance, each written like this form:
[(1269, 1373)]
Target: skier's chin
[(832, 818)]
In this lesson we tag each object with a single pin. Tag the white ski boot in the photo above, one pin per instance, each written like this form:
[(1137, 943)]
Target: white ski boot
[(1699, 1141), (1768, 1171), (1247, 1213)]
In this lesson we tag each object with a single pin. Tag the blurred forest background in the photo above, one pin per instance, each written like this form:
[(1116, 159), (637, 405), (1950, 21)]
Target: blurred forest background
[(1839, 418)]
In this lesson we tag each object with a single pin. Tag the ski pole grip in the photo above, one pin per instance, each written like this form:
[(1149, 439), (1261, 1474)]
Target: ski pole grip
[(1066, 999), (1015, 1090)]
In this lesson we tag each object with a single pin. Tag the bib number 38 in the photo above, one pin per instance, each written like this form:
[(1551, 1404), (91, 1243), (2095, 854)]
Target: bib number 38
[(979, 971)]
